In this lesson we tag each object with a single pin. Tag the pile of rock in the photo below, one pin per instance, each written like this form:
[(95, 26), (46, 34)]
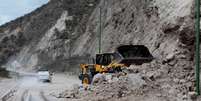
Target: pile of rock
[(115, 88), (175, 81)]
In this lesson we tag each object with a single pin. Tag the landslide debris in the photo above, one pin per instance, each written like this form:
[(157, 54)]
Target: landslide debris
[(63, 34), (155, 81), (116, 88)]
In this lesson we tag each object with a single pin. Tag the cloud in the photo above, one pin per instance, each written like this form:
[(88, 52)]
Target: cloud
[(11, 9)]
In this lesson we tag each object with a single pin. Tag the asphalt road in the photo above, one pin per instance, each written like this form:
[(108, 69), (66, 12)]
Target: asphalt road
[(29, 88)]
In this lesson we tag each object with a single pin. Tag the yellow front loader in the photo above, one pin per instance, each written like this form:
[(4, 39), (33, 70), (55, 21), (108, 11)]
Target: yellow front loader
[(122, 57)]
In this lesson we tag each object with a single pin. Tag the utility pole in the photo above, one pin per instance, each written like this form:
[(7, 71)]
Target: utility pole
[(197, 28), (100, 29)]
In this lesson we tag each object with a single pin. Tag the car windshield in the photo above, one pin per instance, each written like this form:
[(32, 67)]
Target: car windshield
[(43, 69)]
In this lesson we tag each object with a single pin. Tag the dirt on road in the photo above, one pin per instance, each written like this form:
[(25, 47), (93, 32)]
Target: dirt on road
[(29, 88)]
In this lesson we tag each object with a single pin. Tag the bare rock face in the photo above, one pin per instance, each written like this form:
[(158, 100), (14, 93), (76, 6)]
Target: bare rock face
[(66, 30), (64, 33), (46, 36)]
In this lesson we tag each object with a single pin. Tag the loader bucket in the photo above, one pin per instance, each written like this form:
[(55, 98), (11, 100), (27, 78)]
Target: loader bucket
[(134, 54)]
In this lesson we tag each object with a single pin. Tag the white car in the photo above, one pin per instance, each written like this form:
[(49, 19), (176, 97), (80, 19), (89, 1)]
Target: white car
[(44, 76)]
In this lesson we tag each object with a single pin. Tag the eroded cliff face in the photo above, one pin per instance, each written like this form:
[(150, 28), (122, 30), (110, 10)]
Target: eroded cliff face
[(43, 37), (64, 29), (64, 33)]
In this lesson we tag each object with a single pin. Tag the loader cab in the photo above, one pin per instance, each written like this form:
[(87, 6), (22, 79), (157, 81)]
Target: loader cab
[(104, 59)]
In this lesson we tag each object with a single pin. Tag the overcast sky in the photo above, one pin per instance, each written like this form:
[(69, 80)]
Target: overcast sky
[(11, 9)]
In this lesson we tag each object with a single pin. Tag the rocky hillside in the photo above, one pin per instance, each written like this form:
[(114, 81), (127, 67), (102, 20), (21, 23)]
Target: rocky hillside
[(63, 33), (65, 30), (44, 37)]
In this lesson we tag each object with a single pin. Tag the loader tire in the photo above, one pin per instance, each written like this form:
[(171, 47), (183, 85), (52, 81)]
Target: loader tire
[(86, 79), (118, 69)]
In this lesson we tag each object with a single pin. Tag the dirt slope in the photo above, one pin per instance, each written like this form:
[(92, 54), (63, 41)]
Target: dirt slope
[(42, 37), (64, 29), (63, 33)]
